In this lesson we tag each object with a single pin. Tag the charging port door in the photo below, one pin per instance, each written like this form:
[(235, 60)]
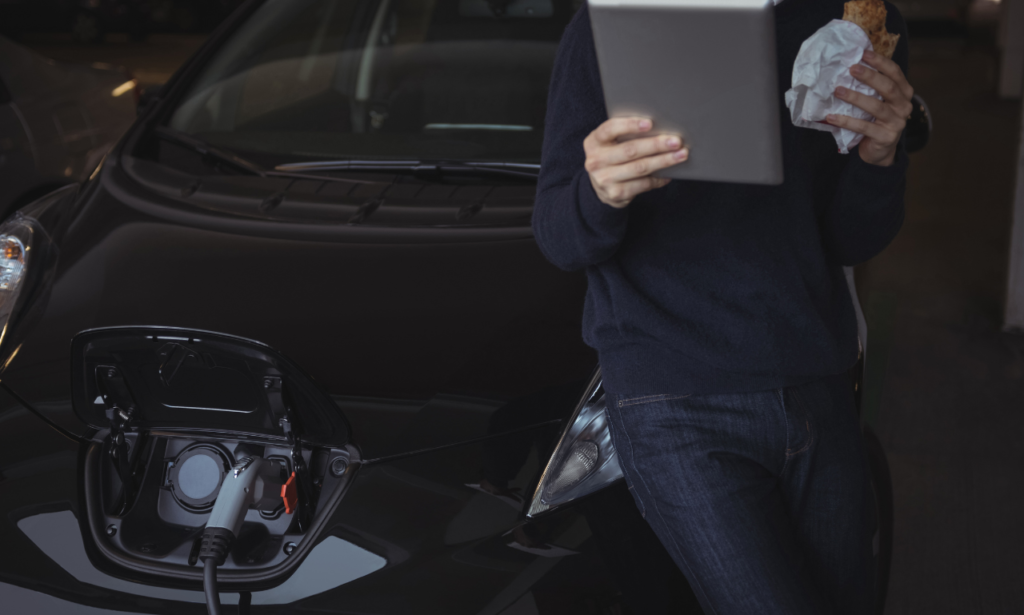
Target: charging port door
[(180, 379), (175, 412)]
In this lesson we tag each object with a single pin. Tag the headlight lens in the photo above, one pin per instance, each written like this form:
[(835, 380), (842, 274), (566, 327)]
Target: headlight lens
[(12, 262), (15, 256), (584, 460)]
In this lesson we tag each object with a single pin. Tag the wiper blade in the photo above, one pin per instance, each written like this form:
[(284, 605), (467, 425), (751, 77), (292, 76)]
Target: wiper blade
[(229, 158), (418, 168), (213, 152)]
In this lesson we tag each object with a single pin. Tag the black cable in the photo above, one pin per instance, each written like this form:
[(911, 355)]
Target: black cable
[(210, 587), (64, 432), (213, 551), (244, 601)]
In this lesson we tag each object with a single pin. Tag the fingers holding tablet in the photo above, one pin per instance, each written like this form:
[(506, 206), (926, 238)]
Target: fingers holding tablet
[(619, 171), (617, 127)]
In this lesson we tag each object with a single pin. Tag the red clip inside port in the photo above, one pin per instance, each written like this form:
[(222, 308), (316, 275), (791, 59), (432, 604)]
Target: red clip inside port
[(290, 495)]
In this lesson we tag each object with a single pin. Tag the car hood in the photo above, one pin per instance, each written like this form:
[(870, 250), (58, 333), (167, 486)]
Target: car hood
[(418, 339), (453, 359)]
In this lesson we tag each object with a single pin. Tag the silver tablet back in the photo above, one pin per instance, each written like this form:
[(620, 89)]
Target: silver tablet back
[(701, 68)]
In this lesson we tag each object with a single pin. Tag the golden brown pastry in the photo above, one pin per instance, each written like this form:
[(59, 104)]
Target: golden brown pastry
[(870, 16)]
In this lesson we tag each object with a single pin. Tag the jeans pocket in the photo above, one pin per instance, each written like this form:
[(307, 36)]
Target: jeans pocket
[(623, 402)]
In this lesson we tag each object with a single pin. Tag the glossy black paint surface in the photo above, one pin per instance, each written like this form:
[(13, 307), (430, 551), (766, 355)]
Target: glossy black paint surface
[(368, 312), (422, 343), (447, 342), (421, 305)]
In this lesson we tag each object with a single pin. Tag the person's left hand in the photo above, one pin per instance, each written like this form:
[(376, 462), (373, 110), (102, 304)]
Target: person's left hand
[(881, 136)]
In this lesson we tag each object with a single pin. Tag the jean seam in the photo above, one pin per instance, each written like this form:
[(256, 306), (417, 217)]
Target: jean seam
[(629, 443), (807, 445), (810, 441), (785, 422), (691, 576), (622, 403)]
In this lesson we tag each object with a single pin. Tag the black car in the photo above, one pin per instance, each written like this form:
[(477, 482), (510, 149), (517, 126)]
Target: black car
[(312, 255)]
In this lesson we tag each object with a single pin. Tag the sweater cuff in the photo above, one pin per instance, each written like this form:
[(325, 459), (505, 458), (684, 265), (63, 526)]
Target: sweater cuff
[(872, 179), (598, 215)]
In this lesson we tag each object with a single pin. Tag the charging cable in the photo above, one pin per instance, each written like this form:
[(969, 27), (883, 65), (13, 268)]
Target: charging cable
[(254, 482)]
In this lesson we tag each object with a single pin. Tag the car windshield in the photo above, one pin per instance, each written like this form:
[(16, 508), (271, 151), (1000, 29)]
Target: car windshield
[(381, 79)]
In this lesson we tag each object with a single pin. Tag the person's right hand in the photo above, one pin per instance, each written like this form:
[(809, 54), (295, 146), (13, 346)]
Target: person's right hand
[(621, 171)]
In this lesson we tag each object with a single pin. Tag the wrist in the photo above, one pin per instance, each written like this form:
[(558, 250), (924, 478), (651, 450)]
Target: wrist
[(597, 213), (880, 159), (603, 197)]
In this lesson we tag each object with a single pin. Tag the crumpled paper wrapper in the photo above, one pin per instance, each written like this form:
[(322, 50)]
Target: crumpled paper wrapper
[(822, 65)]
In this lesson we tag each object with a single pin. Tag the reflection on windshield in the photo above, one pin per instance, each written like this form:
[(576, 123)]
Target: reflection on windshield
[(406, 79)]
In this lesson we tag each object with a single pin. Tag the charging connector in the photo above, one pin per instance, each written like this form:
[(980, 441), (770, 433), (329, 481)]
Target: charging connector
[(254, 482)]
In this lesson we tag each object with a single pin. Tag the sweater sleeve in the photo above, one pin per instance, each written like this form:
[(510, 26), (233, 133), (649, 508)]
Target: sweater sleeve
[(867, 209), (572, 227)]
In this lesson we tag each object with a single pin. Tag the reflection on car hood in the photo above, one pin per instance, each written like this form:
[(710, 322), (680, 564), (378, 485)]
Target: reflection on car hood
[(332, 563), (452, 328)]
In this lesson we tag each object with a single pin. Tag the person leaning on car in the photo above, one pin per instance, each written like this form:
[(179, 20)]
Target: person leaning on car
[(725, 329)]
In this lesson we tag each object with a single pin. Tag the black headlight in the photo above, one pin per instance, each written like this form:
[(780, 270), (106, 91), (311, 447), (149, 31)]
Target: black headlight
[(584, 460), (27, 263)]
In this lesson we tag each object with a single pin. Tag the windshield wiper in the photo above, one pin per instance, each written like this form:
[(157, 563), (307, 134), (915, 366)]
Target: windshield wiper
[(210, 151), (228, 158), (418, 168), (430, 170)]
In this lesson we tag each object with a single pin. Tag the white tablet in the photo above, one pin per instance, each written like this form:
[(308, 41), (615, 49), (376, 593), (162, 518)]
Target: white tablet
[(704, 69)]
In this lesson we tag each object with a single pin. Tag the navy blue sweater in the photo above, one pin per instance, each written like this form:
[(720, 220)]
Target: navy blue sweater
[(707, 287)]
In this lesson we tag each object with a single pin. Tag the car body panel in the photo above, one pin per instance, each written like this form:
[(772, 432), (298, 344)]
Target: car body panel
[(407, 529), (444, 338), (476, 316), (454, 356)]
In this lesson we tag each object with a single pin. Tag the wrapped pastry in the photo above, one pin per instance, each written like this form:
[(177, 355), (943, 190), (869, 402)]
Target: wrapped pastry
[(870, 16), (823, 64)]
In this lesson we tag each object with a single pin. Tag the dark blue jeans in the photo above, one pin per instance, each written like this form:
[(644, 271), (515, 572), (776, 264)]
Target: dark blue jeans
[(762, 499)]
